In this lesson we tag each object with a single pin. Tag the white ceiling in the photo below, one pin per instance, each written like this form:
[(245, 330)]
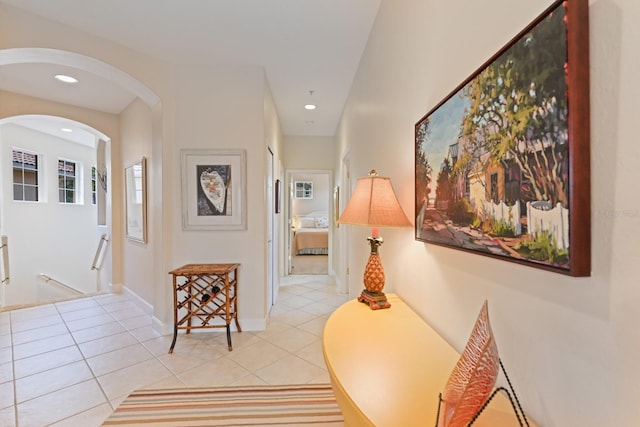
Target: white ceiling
[(303, 45)]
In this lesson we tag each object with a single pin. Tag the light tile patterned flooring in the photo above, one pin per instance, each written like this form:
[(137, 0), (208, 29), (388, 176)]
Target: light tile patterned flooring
[(71, 363)]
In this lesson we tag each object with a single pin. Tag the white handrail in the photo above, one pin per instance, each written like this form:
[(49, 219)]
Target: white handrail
[(101, 245), (4, 247), (48, 279)]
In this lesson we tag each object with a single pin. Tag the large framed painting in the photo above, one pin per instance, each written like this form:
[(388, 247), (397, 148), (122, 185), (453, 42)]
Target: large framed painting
[(502, 163), (214, 190)]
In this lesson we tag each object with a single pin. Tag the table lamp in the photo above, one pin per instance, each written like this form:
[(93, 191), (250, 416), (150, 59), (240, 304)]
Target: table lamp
[(374, 204)]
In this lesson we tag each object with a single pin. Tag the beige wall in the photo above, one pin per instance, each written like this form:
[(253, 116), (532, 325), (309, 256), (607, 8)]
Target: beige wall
[(309, 152), (223, 108), (136, 136), (570, 345)]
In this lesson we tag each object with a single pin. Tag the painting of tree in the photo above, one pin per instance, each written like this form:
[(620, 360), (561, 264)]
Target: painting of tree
[(496, 160), (519, 105)]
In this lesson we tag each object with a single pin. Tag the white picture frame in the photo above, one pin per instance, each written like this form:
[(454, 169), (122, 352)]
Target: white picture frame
[(303, 189), (214, 195)]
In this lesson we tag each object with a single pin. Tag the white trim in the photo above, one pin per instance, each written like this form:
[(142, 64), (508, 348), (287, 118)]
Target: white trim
[(83, 62), (140, 302)]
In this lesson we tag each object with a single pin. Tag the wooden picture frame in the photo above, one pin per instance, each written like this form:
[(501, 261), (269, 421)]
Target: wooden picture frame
[(135, 193), (336, 205), (214, 195), (502, 164), (278, 196)]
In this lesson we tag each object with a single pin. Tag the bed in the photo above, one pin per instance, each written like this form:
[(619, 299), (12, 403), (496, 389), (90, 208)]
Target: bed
[(311, 234)]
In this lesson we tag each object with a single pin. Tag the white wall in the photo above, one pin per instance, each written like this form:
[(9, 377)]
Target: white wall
[(107, 124), (570, 345), (46, 236)]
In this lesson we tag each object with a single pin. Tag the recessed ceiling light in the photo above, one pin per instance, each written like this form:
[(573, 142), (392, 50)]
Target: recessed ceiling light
[(66, 130), (310, 107), (65, 78)]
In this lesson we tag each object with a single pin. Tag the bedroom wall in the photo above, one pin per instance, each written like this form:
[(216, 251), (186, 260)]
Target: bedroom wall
[(570, 345), (320, 200)]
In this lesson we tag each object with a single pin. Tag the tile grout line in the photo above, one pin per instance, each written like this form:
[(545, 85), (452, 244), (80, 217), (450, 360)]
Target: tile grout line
[(13, 371), (95, 378), (319, 296), (84, 358)]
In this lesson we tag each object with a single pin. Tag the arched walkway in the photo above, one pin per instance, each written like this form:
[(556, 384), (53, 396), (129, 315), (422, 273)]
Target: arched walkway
[(113, 75)]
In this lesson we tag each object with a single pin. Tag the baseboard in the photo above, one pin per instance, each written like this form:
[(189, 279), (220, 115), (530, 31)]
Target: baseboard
[(166, 328), (253, 324), (138, 300), (335, 279), (247, 325), (161, 327), (116, 288)]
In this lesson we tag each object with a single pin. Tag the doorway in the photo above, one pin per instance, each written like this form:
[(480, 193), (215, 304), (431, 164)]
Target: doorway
[(272, 235), (309, 239), (54, 218)]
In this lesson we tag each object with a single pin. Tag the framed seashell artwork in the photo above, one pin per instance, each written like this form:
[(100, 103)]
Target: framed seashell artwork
[(213, 190)]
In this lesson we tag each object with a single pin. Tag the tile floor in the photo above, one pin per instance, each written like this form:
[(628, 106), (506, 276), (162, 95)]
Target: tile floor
[(71, 363)]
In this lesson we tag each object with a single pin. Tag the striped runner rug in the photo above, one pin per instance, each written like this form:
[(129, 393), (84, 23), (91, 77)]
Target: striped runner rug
[(280, 405)]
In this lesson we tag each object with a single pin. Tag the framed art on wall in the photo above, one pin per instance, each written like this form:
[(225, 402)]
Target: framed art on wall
[(135, 190), (336, 205), (278, 196), (303, 189), (214, 190), (502, 163)]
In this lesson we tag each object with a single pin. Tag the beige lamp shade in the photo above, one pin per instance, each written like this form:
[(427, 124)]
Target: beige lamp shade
[(374, 204)]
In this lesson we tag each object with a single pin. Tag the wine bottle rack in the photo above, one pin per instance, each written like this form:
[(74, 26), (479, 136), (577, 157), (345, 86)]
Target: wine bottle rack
[(205, 296)]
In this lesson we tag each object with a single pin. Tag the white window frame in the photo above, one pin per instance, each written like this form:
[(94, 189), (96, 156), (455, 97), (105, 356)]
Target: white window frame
[(38, 171), (94, 185), (76, 180)]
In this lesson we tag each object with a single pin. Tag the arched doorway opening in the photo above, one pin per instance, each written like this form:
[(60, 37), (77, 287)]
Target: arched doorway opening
[(112, 262)]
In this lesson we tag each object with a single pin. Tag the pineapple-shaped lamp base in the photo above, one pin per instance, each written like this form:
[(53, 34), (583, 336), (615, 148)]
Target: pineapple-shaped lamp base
[(374, 278)]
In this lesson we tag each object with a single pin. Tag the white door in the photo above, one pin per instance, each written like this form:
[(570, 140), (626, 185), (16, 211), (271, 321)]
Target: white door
[(271, 282), (345, 232)]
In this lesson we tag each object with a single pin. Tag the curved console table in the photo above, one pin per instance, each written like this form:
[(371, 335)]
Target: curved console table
[(387, 368)]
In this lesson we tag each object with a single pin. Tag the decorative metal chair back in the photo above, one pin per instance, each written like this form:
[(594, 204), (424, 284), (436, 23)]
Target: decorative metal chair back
[(473, 378)]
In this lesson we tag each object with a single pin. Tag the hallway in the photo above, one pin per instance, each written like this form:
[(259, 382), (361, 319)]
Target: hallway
[(71, 363)]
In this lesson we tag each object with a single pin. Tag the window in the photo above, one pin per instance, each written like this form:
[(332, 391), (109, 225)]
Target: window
[(67, 192), (25, 176), (304, 189), (93, 185), (494, 188)]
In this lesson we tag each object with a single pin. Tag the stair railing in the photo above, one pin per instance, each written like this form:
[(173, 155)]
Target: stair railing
[(99, 252)]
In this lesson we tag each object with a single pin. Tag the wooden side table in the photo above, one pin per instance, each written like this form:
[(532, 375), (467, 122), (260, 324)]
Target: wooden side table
[(204, 293)]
